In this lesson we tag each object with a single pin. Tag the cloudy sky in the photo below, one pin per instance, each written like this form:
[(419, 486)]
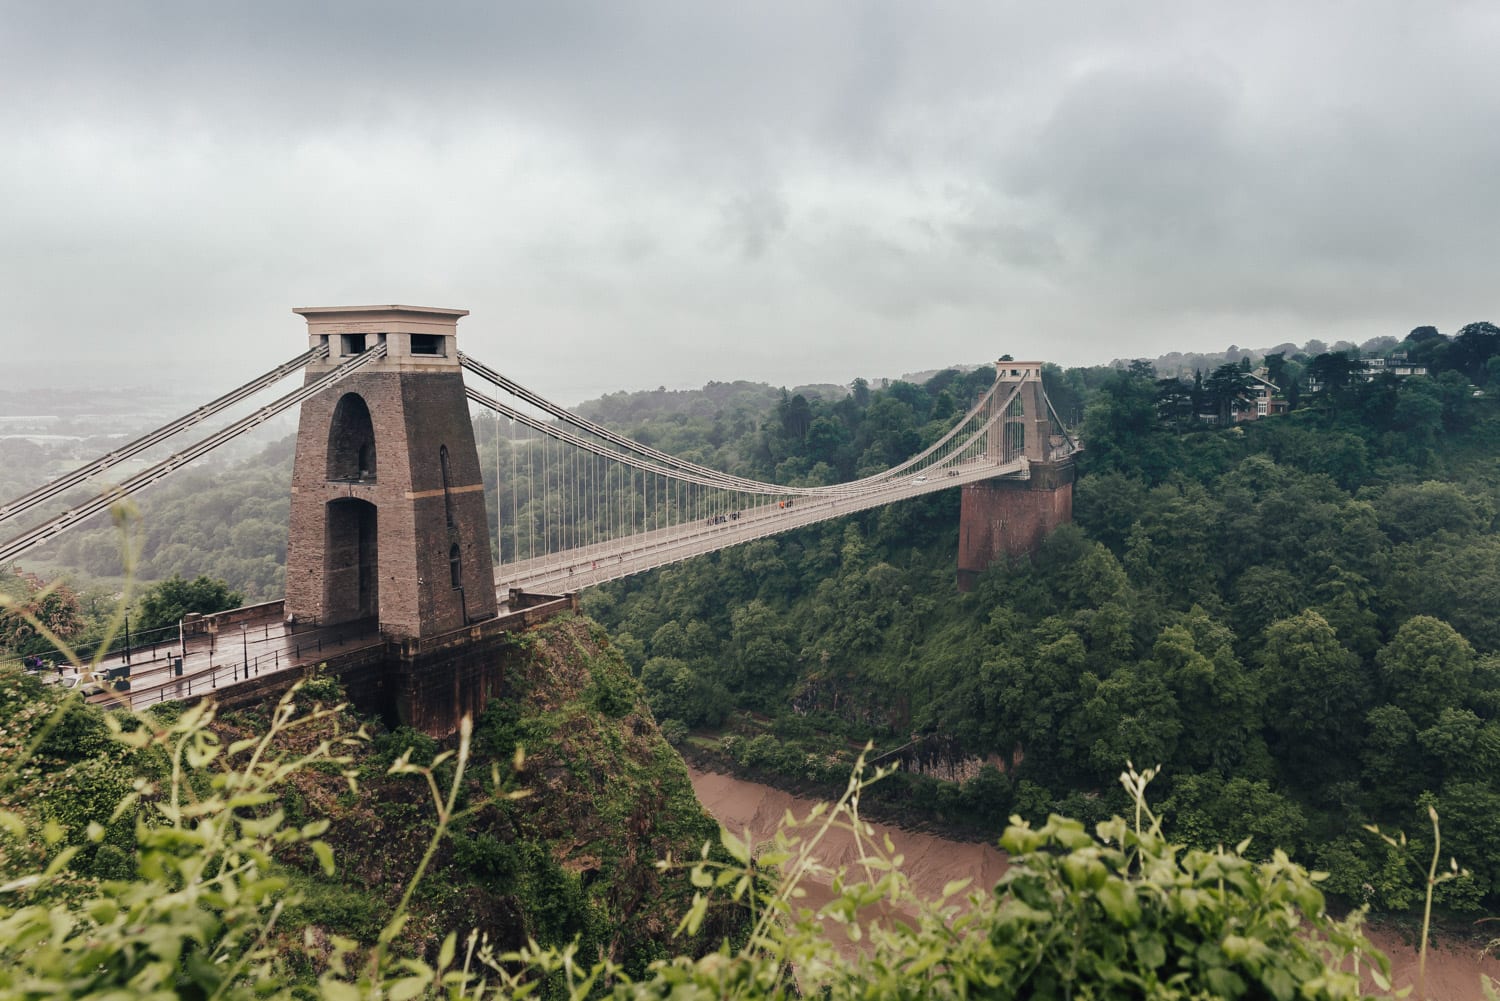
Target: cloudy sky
[(628, 195)]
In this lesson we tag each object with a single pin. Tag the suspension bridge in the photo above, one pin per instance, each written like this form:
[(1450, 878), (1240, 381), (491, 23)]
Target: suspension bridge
[(391, 544)]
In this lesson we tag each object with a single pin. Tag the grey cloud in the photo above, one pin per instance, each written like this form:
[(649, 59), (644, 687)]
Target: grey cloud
[(718, 185), (1139, 159), (753, 219)]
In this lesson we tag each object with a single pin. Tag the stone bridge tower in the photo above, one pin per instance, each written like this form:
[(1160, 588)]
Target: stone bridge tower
[(1011, 516), (388, 520)]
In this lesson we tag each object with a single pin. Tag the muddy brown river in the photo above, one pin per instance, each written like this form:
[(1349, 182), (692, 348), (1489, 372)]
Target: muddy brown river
[(931, 862)]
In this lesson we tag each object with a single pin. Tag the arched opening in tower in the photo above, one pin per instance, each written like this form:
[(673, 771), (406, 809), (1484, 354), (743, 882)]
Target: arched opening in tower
[(351, 440), (351, 574)]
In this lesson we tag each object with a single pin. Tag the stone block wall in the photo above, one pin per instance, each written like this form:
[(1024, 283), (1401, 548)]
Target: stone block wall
[(1007, 518)]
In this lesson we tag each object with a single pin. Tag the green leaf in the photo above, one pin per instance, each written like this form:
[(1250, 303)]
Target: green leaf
[(259, 827), (12, 825), (391, 930), (1224, 983), (734, 846), (325, 856), (337, 990), (693, 919), (1149, 951), (1281, 985), (1118, 900), (955, 886), (445, 954), (407, 988), (251, 799)]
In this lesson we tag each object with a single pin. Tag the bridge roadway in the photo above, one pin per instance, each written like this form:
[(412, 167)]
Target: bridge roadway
[(575, 569), (258, 641)]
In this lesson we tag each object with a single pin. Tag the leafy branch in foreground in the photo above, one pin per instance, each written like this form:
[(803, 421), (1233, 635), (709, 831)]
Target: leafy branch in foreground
[(1121, 912), (199, 913)]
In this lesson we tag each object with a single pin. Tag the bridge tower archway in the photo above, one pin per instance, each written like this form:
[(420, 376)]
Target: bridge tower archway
[(405, 542), (351, 574), (351, 440)]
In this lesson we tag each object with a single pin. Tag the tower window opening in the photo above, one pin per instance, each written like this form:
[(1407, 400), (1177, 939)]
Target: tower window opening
[(455, 566), (353, 344), (427, 344)]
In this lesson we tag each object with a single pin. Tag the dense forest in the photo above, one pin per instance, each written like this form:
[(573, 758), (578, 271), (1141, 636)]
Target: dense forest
[(1292, 616)]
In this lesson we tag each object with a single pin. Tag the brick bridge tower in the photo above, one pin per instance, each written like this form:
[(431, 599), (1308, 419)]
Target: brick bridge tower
[(388, 522), (1009, 516)]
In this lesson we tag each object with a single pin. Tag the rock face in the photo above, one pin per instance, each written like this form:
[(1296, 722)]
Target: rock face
[(607, 797)]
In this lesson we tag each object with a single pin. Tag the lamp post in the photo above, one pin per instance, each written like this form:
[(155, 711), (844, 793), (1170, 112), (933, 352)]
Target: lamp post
[(245, 642), (127, 637)]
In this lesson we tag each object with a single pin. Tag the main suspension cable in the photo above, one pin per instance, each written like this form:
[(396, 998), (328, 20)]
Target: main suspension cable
[(106, 462)]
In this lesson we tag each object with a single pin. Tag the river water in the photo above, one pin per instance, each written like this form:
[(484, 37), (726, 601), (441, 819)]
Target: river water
[(931, 862)]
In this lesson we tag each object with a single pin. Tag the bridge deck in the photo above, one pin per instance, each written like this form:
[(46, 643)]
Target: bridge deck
[(586, 566)]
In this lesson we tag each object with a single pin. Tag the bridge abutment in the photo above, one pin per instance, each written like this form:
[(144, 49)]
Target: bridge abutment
[(1008, 518)]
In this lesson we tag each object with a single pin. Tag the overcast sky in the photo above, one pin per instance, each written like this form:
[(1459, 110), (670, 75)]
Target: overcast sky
[(628, 195)]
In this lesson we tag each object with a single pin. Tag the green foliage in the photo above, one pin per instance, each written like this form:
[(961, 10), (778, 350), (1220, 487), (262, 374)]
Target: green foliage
[(33, 616), (196, 912), (197, 908), (166, 603)]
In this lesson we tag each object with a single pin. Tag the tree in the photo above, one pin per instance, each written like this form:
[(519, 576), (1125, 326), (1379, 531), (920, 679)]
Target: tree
[(1472, 349), (1426, 667), (1334, 372), (1412, 511), (796, 416), (1227, 387), (676, 691), (54, 606), (1176, 405), (167, 602), (1276, 369), (1121, 430), (760, 644), (1220, 708), (1314, 700)]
